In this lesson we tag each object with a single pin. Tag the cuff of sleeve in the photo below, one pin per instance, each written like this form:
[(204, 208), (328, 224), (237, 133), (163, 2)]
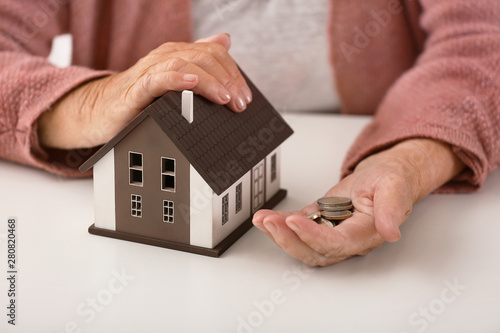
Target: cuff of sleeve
[(377, 137)]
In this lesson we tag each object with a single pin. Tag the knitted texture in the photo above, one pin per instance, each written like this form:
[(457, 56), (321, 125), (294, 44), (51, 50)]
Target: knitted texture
[(30, 84), (447, 89), (424, 68)]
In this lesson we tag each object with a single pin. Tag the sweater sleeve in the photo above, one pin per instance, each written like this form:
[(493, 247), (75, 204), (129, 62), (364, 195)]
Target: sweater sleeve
[(30, 84), (451, 94)]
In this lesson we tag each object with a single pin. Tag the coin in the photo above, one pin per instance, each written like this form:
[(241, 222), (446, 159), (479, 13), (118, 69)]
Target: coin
[(327, 223), (314, 216), (335, 208), (337, 215), (332, 211), (334, 201)]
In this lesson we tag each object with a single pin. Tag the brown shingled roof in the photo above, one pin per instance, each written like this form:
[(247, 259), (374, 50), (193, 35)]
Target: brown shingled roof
[(220, 144)]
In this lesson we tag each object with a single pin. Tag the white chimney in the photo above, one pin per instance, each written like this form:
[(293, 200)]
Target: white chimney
[(187, 105)]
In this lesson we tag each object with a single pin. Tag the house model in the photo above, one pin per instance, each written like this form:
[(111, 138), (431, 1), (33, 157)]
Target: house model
[(188, 174)]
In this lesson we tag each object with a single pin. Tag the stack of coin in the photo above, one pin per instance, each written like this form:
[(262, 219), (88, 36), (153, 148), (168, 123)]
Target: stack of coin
[(332, 211)]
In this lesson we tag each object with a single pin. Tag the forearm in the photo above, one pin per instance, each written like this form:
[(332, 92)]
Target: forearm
[(427, 164), (67, 122)]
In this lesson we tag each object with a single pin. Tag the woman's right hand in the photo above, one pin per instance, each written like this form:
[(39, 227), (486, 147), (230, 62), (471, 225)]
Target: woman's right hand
[(93, 113)]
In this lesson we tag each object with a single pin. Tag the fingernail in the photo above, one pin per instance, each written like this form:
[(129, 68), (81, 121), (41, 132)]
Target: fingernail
[(190, 77), (292, 225), (270, 227), (397, 228), (247, 93), (395, 225), (240, 104), (224, 96)]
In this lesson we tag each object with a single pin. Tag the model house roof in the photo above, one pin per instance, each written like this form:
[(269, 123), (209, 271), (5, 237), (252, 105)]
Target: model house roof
[(220, 144)]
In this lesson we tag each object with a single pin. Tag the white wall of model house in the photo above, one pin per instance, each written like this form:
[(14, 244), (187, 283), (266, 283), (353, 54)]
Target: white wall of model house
[(234, 219), (206, 228), (219, 231), (104, 192), (200, 210)]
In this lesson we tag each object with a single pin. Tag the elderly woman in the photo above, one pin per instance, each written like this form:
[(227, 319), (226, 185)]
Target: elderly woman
[(428, 71)]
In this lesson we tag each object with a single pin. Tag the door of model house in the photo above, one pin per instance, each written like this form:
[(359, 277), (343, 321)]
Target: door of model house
[(258, 186)]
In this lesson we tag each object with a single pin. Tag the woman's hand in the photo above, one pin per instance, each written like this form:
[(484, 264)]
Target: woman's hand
[(383, 188), (96, 111)]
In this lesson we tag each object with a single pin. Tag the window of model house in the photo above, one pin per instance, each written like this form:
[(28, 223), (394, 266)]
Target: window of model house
[(135, 168), (273, 167), (238, 197), (168, 211), (136, 205), (225, 209), (168, 174)]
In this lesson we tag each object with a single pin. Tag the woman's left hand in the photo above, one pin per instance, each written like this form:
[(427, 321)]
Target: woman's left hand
[(383, 188)]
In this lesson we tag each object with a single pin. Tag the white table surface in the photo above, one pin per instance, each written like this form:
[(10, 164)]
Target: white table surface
[(254, 286)]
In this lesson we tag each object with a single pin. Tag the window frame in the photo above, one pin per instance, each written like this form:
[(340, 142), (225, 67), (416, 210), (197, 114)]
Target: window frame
[(238, 198), (274, 162), (168, 215), (134, 169), (168, 173), (137, 210), (225, 209)]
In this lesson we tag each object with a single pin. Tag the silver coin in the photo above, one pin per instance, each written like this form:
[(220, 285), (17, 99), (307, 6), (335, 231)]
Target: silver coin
[(314, 216), (329, 224), (334, 201), (335, 208), (340, 215)]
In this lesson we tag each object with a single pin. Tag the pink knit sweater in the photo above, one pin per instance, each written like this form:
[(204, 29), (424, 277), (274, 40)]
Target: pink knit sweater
[(425, 69)]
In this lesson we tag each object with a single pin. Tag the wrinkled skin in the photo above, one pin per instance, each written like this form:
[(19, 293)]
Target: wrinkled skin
[(94, 112), (383, 188)]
